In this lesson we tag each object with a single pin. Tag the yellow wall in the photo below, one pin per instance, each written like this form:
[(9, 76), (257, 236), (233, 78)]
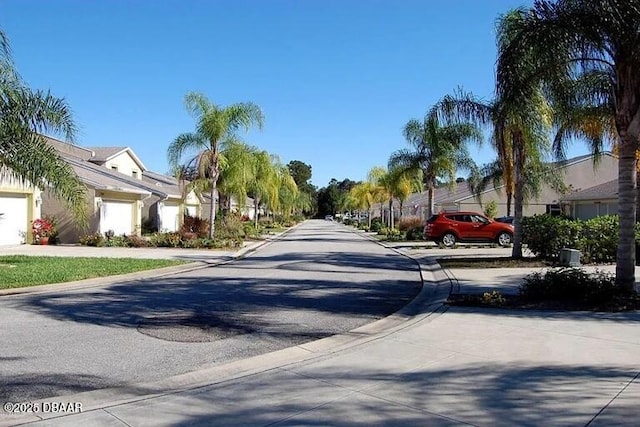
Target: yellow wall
[(125, 164), (9, 184)]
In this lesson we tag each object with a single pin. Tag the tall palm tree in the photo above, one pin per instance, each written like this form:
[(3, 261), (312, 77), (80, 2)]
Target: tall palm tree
[(24, 154), (436, 150), (577, 37), (521, 129), (465, 107), (215, 125)]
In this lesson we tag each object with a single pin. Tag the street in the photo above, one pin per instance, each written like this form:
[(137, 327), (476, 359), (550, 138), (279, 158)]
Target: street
[(318, 280)]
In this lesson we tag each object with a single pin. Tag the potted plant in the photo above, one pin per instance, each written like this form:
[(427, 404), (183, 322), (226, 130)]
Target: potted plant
[(43, 229)]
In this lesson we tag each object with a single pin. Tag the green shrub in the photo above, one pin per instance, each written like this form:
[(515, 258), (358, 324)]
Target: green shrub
[(250, 230), (266, 222), (95, 239), (569, 284), (116, 241), (297, 218), (363, 226), (545, 235), (416, 233), (135, 241), (392, 234), (229, 227), (376, 224), (165, 240), (596, 239)]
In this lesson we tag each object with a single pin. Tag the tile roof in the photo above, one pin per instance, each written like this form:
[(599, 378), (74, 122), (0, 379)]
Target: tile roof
[(102, 154), (607, 190), (94, 176)]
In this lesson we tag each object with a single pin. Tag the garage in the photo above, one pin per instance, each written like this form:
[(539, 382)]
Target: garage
[(169, 217), (13, 218), (116, 216)]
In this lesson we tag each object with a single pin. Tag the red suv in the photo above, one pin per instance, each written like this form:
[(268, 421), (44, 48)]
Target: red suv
[(451, 227)]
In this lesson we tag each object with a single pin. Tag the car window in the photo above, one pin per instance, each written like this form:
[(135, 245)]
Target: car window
[(479, 219)]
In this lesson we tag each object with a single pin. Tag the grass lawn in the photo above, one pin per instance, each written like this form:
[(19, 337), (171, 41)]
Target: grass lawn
[(17, 271)]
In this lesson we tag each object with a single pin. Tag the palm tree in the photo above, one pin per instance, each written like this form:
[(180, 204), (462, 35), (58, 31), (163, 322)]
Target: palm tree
[(24, 154), (578, 37), (465, 107), (404, 182), (215, 125), (236, 172), (520, 129), (383, 190), (288, 193), (265, 180), (362, 197), (436, 150)]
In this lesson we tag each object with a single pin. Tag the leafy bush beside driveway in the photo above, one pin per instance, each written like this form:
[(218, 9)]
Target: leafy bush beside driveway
[(596, 239)]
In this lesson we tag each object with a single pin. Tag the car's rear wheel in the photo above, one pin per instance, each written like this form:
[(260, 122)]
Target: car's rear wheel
[(504, 239), (449, 239)]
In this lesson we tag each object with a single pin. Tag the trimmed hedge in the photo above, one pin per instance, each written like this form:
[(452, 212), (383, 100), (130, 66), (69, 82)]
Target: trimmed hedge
[(596, 239)]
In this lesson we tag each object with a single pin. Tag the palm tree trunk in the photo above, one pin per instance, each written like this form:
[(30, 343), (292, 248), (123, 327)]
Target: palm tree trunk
[(370, 212), (391, 213), (214, 172), (626, 256), (256, 204), (430, 202), (519, 156), (509, 199), (401, 206), (212, 214)]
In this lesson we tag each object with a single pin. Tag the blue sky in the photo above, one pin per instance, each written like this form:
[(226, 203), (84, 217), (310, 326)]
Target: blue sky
[(336, 79)]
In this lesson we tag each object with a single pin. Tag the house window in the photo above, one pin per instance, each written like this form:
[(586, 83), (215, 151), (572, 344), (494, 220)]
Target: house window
[(554, 209), (134, 174), (114, 168)]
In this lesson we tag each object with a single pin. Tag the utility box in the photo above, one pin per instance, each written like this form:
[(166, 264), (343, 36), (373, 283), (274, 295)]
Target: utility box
[(570, 257)]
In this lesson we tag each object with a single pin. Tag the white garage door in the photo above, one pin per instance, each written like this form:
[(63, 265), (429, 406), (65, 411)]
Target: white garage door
[(117, 217), (169, 217), (13, 221)]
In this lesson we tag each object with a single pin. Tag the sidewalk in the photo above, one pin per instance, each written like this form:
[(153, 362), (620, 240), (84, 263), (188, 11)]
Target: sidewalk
[(427, 365)]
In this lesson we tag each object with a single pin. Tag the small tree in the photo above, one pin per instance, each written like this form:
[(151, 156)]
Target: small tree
[(491, 209)]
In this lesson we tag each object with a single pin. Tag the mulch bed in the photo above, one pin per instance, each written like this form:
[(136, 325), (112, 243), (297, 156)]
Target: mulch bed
[(515, 302)]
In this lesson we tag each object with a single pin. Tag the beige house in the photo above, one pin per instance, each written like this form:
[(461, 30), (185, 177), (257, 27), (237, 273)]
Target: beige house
[(122, 195), (112, 203), (579, 174), (20, 204)]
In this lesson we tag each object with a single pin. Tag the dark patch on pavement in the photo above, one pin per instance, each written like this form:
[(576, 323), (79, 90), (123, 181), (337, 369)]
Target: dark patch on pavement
[(191, 328)]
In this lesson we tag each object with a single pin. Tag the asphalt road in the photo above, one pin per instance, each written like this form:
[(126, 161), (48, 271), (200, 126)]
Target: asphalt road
[(319, 280)]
